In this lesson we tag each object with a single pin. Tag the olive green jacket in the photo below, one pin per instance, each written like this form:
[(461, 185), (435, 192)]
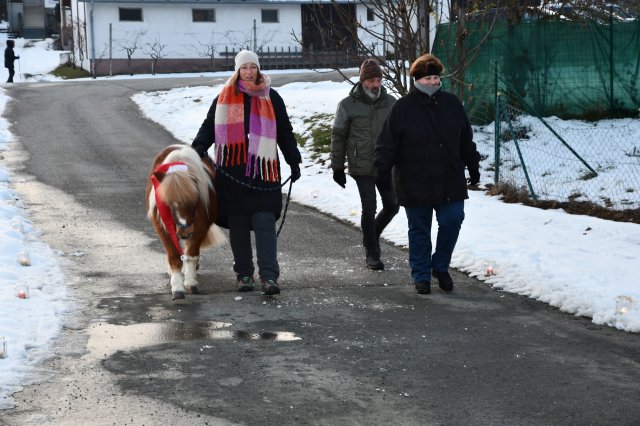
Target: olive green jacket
[(355, 131)]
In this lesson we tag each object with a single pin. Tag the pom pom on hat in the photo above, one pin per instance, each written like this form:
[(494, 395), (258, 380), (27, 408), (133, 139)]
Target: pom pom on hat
[(370, 69), (246, 57)]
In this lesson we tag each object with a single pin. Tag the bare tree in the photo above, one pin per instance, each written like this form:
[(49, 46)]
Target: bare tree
[(156, 51), (401, 30), (206, 49), (396, 36), (130, 45), (253, 39)]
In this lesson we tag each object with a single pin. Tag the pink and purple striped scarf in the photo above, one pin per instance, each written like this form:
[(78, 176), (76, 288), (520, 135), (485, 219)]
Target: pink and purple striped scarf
[(230, 145)]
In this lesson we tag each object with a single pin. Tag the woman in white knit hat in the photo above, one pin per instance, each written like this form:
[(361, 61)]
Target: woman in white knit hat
[(245, 125)]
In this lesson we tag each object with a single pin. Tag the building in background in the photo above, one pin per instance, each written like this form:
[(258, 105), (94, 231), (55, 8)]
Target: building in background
[(32, 19), (110, 36)]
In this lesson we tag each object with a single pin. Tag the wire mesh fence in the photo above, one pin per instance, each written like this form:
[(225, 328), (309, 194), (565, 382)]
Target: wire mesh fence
[(553, 159)]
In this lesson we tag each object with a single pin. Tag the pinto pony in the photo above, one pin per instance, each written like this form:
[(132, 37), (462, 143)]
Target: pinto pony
[(181, 204)]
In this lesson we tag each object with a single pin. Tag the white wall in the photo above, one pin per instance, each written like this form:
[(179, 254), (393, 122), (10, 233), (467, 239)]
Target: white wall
[(440, 15), (173, 26)]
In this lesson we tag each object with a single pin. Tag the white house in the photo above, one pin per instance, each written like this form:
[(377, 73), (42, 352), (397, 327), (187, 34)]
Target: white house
[(194, 35), (34, 19)]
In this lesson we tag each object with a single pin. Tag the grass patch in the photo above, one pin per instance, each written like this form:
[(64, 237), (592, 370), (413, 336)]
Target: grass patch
[(318, 134), (68, 72)]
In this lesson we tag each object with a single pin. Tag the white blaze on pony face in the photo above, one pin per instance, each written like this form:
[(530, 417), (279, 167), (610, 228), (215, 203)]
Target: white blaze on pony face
[(181, 220), (184, 223)]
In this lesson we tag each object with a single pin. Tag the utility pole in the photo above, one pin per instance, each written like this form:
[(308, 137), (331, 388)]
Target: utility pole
[(110, 49), (93, 46), (423, 27), (62, 22), (255, 36)]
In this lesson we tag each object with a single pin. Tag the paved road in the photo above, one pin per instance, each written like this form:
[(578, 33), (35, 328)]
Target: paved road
[(340, 346)]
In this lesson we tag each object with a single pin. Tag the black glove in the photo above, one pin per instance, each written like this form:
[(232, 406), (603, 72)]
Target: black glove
[(474, 177), (295, 172), (340, 178)]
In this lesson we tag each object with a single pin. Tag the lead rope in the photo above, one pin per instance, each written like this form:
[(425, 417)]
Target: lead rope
[(276, 188), (286, 206)]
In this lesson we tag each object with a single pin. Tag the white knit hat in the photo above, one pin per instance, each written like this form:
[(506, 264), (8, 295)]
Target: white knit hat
[(245, 57)]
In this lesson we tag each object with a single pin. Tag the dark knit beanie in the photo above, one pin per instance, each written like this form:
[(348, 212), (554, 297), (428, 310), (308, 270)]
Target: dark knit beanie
[(370, 69), (426, 65)]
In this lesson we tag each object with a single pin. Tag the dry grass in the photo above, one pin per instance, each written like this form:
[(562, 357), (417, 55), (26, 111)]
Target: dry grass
[(510, 194)]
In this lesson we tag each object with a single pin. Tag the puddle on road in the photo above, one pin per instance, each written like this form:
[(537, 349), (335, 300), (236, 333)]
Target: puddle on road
[(105, 339)]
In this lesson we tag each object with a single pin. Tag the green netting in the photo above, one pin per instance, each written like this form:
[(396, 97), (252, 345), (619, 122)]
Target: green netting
[(566, 69)]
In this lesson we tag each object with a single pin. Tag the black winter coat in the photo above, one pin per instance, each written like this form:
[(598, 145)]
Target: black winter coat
[(429, 141), (9, 57), (236, 199)]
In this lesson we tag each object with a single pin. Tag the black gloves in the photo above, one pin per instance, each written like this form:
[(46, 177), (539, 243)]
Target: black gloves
[(295, 172), (340, 178), (474, 177)]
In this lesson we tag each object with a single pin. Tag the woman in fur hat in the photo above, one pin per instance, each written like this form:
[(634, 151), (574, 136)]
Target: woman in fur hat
[(428, 138), (246, 124)]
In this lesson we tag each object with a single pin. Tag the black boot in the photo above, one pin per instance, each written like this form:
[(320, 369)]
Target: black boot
[(373, 258), (423, 287), (444, 280), (374, 263)]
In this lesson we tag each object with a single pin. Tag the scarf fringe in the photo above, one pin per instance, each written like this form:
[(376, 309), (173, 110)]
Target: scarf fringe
[(267, 170)]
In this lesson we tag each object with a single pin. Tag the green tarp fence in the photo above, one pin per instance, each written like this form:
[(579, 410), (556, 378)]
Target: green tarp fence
[(584, 70)]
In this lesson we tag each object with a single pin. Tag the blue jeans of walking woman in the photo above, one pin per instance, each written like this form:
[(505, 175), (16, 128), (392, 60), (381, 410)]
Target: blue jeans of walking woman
[(449, 217)]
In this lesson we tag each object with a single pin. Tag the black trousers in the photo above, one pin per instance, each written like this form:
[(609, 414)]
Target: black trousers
[(12, 72), (264, 229), (372, 225)]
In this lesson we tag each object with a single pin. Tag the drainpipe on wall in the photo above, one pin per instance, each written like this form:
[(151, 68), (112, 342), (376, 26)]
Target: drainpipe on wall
[(93, 43)]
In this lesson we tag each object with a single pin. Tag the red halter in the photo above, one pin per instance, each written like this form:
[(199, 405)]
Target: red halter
[(163, 208)]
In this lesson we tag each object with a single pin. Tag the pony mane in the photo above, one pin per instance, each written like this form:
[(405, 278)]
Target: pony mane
[(186, 187)]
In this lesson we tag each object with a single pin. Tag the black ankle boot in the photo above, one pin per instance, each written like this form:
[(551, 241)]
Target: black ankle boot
[(444, 280), (374, 263)]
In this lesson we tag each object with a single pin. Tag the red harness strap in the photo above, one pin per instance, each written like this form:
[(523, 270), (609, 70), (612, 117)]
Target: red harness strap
[(163, 208)]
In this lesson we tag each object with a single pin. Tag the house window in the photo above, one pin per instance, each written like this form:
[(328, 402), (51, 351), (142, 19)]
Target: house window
[(370, 15), (127, 14), (269, 16), (204, 15)]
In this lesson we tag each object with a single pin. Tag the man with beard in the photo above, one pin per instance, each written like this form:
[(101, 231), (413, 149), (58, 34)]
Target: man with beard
[(358, 121)]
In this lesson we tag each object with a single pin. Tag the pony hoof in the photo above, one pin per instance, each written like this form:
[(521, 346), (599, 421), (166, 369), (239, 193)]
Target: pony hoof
[(177, 295), (192, 290)]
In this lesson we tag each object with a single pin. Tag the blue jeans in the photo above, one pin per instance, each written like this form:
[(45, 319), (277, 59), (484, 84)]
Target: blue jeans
[(449, 217), (372, 225), (264, 228)]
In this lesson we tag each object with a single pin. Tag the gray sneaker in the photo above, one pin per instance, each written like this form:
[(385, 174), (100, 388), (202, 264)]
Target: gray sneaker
[(270, 287), (245, 284)]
